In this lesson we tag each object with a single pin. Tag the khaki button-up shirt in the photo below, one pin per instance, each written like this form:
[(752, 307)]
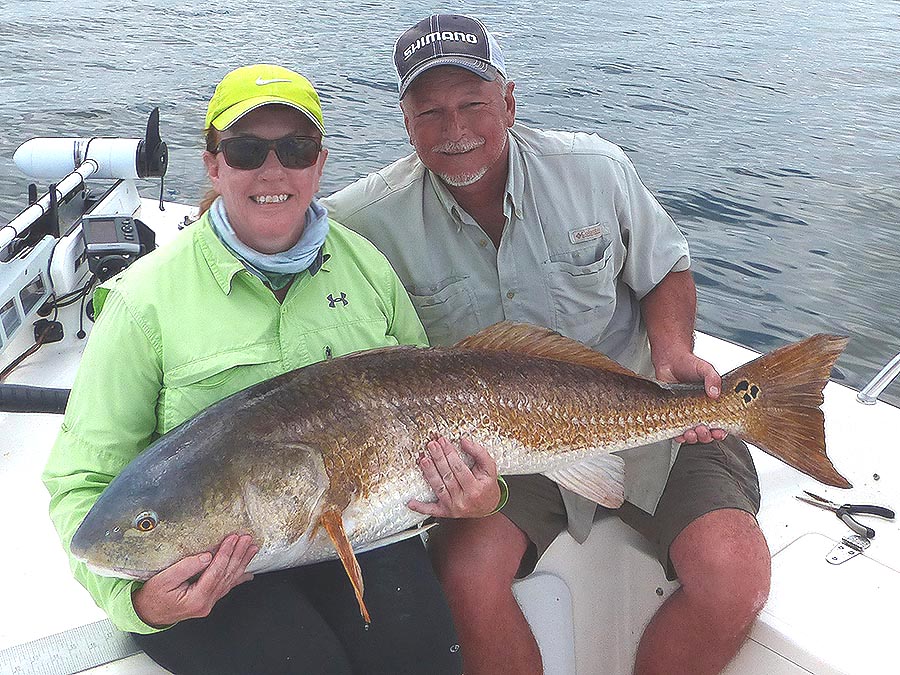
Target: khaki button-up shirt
[(583, 242)]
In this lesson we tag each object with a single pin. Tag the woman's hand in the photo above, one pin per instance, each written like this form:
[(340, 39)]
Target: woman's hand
[(691, 368), (171, 596), (461, 492)]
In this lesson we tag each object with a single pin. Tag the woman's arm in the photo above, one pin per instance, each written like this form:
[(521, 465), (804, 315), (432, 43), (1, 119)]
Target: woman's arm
[(110, 418)]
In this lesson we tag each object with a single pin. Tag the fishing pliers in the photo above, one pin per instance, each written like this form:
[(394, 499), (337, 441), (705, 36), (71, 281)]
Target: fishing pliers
[(846, 512)]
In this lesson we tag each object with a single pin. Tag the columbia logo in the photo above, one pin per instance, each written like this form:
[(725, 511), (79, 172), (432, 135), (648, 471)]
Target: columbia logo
[(332, 301), (586, 234)]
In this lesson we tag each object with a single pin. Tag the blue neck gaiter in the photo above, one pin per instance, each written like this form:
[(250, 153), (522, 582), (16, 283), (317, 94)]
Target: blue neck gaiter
[(274, 269)]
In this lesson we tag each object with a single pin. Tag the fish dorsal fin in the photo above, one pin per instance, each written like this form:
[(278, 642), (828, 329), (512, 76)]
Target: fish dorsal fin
[(525, 338)]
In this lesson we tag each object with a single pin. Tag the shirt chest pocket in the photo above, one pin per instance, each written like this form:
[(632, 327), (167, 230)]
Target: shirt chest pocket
[(447, 310), (582, 295), (190, 387)]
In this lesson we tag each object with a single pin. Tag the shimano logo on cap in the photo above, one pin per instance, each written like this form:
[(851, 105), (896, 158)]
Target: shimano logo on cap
[(449, 35)]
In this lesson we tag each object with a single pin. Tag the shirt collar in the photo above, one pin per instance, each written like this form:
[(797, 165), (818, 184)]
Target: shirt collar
[(515, 181), (222, 262), (446, 199), (515, 187)]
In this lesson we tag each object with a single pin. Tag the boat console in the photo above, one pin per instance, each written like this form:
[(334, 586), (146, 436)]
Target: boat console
[(43, 249)]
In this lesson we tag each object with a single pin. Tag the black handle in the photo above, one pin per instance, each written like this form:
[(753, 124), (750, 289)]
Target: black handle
[(869, 510), (20, 398)]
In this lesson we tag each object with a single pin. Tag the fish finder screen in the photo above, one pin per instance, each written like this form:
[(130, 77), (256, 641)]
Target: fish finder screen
[(103, 231)]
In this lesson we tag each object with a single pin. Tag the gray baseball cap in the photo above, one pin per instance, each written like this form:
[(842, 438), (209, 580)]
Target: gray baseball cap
[(447, 40)]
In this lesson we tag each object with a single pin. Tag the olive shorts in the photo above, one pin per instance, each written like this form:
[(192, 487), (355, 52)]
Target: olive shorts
[(705, 477)]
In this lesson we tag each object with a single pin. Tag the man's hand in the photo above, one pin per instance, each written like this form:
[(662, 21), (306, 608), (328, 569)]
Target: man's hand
[(170, 596), (691, 368), (461, 492)]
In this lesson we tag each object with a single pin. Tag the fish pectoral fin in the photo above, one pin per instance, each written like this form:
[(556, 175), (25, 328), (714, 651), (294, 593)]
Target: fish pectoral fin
[(600, 479), (334, 525), (394, 538)]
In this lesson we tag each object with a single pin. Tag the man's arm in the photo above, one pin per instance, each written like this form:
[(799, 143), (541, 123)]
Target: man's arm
[(669, 312)]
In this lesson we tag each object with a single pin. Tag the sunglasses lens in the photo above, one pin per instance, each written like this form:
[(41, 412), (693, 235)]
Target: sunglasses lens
[(244, 152), (297, 152), (248, 152)]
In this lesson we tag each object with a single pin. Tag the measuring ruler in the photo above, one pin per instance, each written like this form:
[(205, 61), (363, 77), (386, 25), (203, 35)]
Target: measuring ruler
[(71, 651)]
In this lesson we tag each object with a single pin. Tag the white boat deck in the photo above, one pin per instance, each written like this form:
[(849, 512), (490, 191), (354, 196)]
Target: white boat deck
[(588, 604)]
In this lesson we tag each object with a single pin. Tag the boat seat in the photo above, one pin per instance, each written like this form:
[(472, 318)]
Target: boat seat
[(546, 602), (593, 599)]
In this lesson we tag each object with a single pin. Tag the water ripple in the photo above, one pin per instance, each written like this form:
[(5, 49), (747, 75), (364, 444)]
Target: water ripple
[(769, 133)]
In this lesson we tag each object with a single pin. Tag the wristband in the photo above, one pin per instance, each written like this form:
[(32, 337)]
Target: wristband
[(504, 495)]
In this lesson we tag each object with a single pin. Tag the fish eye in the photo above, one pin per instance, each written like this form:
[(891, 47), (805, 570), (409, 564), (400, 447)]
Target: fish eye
[(145, 521)]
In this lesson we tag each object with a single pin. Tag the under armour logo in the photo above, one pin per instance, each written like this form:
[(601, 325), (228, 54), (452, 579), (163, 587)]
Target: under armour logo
[(332, 301)]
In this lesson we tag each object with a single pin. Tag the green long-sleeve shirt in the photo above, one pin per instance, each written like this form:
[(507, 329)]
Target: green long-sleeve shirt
[(187, 326)]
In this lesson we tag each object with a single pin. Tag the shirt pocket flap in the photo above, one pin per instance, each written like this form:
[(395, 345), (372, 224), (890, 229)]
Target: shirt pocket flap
[(447, 310), (564, 273), (583, 260), (439, 293), (215, 369)]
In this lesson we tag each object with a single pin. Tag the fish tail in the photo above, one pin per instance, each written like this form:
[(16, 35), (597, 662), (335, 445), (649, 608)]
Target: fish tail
[(780, 394)]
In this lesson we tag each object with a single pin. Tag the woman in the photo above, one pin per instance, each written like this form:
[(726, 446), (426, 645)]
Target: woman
[(263, 283)]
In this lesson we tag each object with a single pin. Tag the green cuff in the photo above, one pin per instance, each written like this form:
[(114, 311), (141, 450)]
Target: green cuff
[(504, 495)]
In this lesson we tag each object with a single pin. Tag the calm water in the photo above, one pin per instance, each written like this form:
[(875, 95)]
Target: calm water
[(771, 136)]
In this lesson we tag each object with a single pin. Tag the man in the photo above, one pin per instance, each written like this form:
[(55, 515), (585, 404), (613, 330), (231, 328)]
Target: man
[(490, 220)]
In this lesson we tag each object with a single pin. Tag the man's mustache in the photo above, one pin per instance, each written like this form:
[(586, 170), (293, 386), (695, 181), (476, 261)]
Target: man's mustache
[(458, 147)]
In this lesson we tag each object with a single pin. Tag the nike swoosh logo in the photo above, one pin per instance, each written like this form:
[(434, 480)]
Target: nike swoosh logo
[(261, 82)]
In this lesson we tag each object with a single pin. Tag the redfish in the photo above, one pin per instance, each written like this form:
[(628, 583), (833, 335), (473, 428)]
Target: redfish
[(321, 461)]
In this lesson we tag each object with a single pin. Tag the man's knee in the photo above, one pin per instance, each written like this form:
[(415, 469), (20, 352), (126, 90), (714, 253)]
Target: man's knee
[(477, 555), (724, 564)]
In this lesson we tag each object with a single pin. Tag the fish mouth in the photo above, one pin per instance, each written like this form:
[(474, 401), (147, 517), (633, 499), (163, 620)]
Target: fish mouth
[(119, 572)]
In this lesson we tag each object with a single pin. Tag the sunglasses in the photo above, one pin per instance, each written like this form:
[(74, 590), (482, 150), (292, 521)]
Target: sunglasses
[(250, 152)]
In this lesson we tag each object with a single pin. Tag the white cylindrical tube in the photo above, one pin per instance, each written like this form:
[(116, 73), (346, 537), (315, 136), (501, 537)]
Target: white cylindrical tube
[(21, 222), (50, 158)]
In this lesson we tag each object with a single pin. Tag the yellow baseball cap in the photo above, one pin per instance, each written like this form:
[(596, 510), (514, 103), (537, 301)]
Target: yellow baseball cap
[(250, 87)]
